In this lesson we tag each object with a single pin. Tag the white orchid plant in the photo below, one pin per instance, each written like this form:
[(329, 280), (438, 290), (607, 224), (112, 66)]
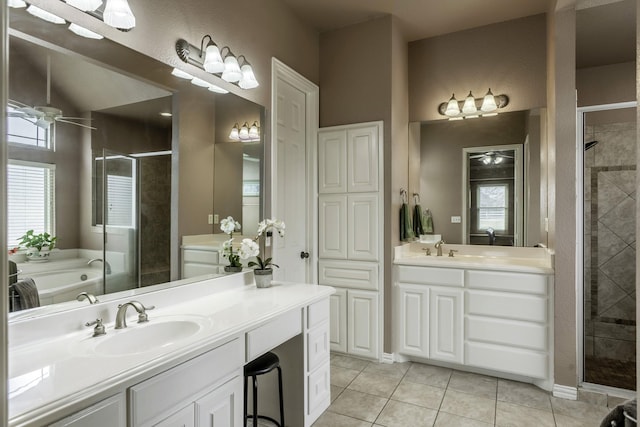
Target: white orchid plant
[(252, 248), (228, 226)]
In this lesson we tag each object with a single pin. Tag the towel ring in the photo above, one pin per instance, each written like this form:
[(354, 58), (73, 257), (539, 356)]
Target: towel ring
[(404, 196), (416, 198), (16, 273)]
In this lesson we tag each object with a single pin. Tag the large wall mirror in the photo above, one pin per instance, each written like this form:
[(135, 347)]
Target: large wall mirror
[(487, 166), (104, 169)]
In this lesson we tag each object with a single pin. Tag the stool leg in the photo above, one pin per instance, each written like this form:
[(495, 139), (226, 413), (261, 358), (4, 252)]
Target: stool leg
[(255, 401), (245, 401), (281, 397)]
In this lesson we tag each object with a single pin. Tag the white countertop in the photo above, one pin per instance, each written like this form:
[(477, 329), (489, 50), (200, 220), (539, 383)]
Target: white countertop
[(56, 370), (477, 257)]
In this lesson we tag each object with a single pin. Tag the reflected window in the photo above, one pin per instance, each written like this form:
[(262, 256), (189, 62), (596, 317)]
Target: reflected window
[(493, 206), (23, 130), (30, 199), (118, 190)]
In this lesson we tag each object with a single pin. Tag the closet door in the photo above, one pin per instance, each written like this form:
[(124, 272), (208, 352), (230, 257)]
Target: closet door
[(332, 239), (362, 242), (332, 162), (362, 155)]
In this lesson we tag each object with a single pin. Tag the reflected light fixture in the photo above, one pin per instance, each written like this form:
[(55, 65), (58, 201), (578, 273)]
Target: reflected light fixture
[(199, 82), (43, 14), (117, 14), (85, 5), (234, 135), (245, 133), (83, 32), (492, 158), (254, 132), (16, 3), (467, 109), (181, 74)]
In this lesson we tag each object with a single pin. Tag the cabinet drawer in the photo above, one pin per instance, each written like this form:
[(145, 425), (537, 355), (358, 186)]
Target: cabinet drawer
[(430, 276), (507, 281), (510, 306), (318, 312), (319, 388), (318, 346), (158, 397), (195, 270), (505, 359), (109, 412), (349, 274), (206, 257), (507, 332), (273, 333)]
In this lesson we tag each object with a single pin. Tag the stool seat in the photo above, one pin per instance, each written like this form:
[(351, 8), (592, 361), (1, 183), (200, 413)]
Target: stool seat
[(263, 364)]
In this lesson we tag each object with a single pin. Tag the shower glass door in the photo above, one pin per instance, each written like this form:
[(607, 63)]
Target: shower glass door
[(609, 208)]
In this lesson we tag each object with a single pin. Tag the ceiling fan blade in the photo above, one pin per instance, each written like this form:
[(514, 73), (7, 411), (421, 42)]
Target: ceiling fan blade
[(17, 104), (16, 114), (43, 123), (75, 123), (30, 111), (73, 118)]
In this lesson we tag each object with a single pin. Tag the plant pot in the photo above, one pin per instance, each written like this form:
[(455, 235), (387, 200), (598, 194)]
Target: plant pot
[(263, 277), (232, 269)]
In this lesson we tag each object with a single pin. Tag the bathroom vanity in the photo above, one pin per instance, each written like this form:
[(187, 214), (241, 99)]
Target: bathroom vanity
[(485, 308), (182, 367), (202, 254)]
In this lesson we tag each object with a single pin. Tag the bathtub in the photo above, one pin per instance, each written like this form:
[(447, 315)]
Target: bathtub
[(64, 285)]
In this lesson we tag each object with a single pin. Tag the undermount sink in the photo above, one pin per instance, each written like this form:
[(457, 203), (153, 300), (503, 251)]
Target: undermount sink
[(140, 338)]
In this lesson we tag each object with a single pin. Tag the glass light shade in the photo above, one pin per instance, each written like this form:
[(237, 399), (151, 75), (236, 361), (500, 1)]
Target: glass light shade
[(234, 136), (248, 80), (83, 32), (199, 82), (117, 14), (254, 132), (498, 160), (217, 89), (486, 160), (43, 14), (85, 5), (489, 103), (453, 109), (244, 132), (231, 71), (212, 60), (469, 106), (16, 3), (181, 74)]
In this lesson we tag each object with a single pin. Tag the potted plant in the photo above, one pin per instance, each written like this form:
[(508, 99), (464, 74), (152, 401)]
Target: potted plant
[(263, 272), (37, 245), (228, 226)]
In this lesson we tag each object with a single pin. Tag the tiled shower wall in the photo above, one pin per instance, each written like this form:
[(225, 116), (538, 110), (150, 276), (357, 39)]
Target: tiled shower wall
[(610, 243)]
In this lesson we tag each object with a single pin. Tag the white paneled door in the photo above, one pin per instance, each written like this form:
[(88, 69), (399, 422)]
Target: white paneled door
[(294, 131)]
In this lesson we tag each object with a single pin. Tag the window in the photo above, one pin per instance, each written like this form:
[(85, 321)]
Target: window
[(119, 193), (493, 206), (30, 199), (24, 131)]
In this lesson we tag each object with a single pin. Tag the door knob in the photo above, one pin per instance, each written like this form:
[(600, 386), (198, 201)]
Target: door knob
[(304, 254)]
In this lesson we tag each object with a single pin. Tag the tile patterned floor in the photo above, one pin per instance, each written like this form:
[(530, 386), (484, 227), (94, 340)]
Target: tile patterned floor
[(368, 394)]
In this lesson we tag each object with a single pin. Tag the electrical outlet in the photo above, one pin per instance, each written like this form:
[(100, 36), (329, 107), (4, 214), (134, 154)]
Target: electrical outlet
[(456, 220), (210, 219), (216, 218)]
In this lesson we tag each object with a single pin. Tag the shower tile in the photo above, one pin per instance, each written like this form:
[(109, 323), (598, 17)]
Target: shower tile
[(589, 347), (614, 330), (615, 349), (608, 294), (621, 269), (609, 244), (621, 219), (625, 180), (624, 309), (609, 195), (616, 148)]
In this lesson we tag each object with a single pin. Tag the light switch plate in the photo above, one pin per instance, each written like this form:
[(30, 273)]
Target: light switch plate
[(456, 220), (210, 219), (216, 218)]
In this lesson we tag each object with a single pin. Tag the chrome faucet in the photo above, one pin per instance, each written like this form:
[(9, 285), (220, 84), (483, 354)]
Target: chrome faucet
[(86, 295), (107, 267), (121, 315), (438, 247), (492, 235)]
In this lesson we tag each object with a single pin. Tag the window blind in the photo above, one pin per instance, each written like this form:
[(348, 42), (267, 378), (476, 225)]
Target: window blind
[(120, 200)]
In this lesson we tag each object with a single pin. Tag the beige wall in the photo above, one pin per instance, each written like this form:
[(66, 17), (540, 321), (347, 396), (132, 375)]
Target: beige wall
[(606, 84), (508, 57)]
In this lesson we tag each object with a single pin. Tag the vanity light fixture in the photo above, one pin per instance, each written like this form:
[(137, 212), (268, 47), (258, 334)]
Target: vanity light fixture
[(117, 14), (245, 133), (197, 81), (467, 109), (254, 132), (83, 32), (16, 4), (43, 14), (219, 61), (85, 5), (235, 133)]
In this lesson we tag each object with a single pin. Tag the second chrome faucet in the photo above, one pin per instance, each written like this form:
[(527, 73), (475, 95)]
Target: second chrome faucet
[(121, 315)]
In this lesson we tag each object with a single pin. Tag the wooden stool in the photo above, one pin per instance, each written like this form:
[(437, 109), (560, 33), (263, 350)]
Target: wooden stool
[(262, 365)]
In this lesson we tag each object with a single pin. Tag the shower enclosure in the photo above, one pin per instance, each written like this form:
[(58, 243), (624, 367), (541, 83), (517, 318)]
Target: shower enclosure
[(608, 163)]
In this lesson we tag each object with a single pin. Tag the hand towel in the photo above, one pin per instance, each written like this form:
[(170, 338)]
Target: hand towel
[(27, 294), (406, 230), (418, 226), (427, 222), (13, 272)]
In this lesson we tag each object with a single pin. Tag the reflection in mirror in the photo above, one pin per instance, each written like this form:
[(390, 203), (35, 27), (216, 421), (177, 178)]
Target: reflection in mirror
[(443, 183), (109, 201)]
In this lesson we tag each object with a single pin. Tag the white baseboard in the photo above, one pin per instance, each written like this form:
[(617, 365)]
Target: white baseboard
[(565, 392), (388, 358)]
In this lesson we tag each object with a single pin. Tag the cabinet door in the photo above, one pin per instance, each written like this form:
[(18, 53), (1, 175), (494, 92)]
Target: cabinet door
[(362, 323), (333, 226), (183, 418), (362, 155), (338, 320), (222, 407), (413, 316), (363, 226), (445, 325), (110, 412), (332, 162)]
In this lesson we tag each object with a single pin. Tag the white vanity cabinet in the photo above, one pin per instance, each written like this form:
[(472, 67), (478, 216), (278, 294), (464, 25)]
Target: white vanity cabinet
[(109, 412), (196, 262), (350, 228)]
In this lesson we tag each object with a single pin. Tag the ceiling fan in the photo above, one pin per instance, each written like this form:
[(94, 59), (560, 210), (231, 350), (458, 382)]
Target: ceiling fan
[(44, 115), (491, 157)]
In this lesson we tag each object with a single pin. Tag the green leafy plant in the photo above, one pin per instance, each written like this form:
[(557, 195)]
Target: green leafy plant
[(262, 264), (38, 241)]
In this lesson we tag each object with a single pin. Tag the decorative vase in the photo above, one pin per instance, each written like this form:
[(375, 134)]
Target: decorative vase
[(232, 269), (263, 277)]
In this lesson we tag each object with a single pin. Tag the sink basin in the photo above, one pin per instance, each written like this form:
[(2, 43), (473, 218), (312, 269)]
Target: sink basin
[(140, 338)]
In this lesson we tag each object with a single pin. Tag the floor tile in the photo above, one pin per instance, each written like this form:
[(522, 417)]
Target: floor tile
[(566, 421), (469, 406), (447, 420), (577, 409), (342, 377), (335, 392), (393, 370), (479, 385), (419, 394), (523, 394), (400, 414), (371, 383), (358, 405), (592, 397), (510, 415), (430, 375), (348, 362), (330, 419)]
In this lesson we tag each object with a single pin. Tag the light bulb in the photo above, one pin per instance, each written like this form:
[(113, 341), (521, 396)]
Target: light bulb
[(244, 132), (489, 103), (254, 132), (117, 14), (212, 60), (234, 133), (231, 71), (248, 80), (469, 106)]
